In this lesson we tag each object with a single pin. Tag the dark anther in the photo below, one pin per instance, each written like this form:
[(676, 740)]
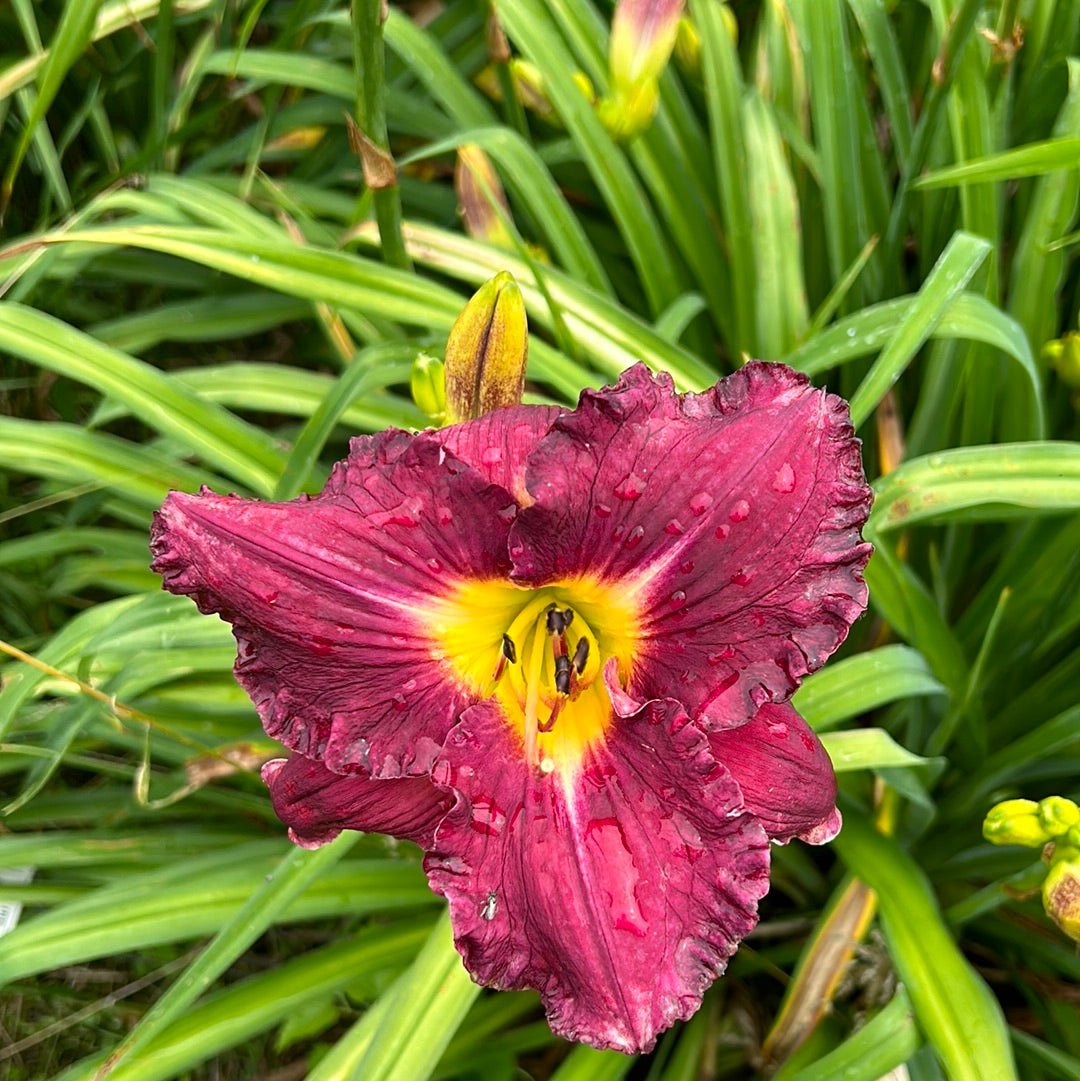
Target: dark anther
[(509, 651), (562, 674), (557, 620), (581, 655)]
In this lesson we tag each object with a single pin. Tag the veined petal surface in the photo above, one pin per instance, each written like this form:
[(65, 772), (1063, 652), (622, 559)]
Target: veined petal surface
[(618, 890), (784, 774), (497, 445), (317, 805), (329, 596), (732, 515)]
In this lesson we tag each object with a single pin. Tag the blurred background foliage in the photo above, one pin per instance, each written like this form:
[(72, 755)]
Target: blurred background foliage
[(198, 286)]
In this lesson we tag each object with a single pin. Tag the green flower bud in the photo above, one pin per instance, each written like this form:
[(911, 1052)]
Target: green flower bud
[(1015, 822), (428, 385), (486, 351), (1061, 890), (1064, 355), (688, 45), (1058, 815)]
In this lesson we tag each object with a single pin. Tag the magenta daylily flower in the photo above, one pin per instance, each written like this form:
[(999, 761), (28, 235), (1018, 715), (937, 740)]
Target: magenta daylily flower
[(554, 648)]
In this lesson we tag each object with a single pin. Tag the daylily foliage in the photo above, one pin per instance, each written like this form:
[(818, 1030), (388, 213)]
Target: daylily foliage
[(554, 648)]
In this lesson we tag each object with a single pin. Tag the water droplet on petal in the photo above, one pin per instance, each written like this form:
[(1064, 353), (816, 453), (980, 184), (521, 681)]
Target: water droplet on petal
[(700, 503), (434, 565), (784, 481), (491, 456), (740, 512), (674, 528), (687, 566), (517, 551), (722, 531), (633, 538), (740, 578), (487, 817), (444, 515), (508, 513), (617, 532), (602, 510), (630, 487), (677, 598), (399, 703)]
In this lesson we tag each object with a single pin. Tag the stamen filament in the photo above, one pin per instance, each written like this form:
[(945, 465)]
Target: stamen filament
[(533, 675)]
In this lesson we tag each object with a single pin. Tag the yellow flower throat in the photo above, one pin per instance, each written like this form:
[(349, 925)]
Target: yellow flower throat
[(541, 653)]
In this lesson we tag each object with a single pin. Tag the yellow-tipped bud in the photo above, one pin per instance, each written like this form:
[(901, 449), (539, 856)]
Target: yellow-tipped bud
[(428, 385), (483, 204), (486, 351), (1015, 822), (1061, 890)]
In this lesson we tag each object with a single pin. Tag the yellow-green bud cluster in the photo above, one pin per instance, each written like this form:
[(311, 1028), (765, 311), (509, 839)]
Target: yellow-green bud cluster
[(1025, 822), (1052, 824)]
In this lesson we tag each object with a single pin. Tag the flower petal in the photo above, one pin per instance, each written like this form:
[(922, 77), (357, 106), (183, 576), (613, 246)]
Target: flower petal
[(317, 805), (732, 516), (785, 774), (329, 596), (618, 890), (497, 444)]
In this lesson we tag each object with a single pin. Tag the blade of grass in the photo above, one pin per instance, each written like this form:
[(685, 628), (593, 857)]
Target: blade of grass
[(236, 1014), (372, 367), (527, 22), (225, 441), (952, 1004), (885, 1042), (845, 689), (979, 484), (953, 270), (68, 43), (299, 868), (429, 1003)]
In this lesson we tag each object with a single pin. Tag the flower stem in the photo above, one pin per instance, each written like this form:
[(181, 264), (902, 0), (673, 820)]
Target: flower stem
[(368, 18)]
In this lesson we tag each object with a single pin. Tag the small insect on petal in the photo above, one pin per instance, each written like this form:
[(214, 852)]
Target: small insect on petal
[(491, 906)]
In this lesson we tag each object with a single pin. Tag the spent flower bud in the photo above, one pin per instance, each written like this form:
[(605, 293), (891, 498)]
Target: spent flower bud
[(486, 351), (1061, 890), (483, 204)]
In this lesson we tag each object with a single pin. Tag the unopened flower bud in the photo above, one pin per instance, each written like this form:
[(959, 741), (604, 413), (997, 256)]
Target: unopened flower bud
[(1061, 890), (642, 37), (1058, 815), (529, 84), (428, 385), (1015, 822), (486, 351), (643, 34), (483, 204), (1064, 354), (688, 45)]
